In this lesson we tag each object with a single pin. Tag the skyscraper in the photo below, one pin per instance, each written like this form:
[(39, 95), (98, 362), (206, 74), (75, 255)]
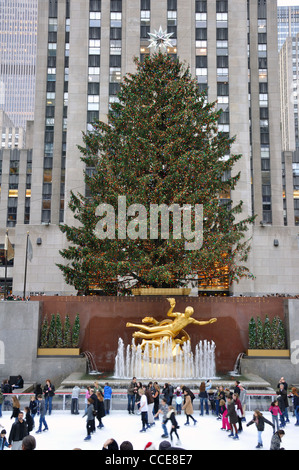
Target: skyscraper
[(85, 47), (18, 33)]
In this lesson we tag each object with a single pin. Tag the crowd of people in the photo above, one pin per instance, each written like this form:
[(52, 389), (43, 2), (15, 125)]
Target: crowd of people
[(39, 405), (227, 405), (152, 402)]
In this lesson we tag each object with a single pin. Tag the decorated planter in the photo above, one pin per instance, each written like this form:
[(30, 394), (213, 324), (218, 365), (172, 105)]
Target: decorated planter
[(58, 351), (268, 352)]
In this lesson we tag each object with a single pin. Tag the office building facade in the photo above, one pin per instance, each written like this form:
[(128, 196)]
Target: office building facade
[(85, 47), (18, 36)]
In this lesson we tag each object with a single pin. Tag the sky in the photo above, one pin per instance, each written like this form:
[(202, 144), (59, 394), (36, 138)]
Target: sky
[(284, 3)]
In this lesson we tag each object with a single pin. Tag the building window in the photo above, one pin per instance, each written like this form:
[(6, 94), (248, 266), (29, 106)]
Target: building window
[(221, 6), (116, 5), (201, 6)]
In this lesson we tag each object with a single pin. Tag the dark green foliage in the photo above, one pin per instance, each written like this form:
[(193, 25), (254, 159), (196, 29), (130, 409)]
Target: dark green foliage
[(44, 333), (252, 334), (259, 334), (59, 332), (267, 334), (76, 332), (275, 333), (52, 332), (67, 334), (282, 335)]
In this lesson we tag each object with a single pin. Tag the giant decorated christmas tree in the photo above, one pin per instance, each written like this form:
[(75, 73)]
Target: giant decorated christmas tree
[(161, 145)]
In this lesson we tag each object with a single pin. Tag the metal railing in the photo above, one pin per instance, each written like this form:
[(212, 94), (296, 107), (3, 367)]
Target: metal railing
[(62, 401)]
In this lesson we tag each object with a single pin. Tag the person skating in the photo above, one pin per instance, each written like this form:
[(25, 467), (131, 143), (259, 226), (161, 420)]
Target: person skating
[(276, 440), (259, 420), (42, 415), (18, 431), (163, 410), (232, 417), (174, 424), (143, 409), (90, 421), (188, 408)]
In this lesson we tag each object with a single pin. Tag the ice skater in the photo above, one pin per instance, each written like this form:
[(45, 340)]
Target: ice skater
[(232, 417), (42, 415), (188, 408), (163, 410), (174, 424), (259, 420), (90, 421), (275, 411), (144, 410)]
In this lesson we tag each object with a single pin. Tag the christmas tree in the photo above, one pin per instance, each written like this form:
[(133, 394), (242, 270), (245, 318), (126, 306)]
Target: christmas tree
[(44, 333), (76, 332), (67, 334), (259, 334), (52, 332), (252, 333), (267, 333), (161, 145), (59, 332)]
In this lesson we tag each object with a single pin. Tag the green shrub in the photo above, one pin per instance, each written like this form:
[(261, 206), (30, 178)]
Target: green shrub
[(259, 334), (281, 335), (44, 333), (252, 334), (52, 332), (267, 334), (67, 335), (59, 333), (76, 332)]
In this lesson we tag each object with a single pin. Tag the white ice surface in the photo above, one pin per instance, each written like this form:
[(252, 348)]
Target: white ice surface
[(67, 432)]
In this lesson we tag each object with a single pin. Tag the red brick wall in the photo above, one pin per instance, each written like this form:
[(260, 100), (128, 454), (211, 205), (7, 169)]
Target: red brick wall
[(103, 320)]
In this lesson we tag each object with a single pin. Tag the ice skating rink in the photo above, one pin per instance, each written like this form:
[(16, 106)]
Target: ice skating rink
[(67, 432)]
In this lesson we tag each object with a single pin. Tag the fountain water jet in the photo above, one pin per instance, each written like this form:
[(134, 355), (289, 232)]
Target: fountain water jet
[(160, 362)]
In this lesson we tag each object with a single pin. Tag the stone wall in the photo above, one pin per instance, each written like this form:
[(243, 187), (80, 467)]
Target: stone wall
[(19, 338)]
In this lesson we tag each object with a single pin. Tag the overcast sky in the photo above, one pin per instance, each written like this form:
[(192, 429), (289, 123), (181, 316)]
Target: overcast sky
[(283, 3)]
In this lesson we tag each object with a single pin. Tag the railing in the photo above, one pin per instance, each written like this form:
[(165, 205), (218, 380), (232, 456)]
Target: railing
[(62, 401)]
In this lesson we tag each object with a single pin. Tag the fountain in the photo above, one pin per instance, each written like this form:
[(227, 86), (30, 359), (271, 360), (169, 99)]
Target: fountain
[(92, 368), (159, 362), (165, 349)]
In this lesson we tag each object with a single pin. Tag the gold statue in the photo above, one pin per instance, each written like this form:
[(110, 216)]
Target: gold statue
[(167, 329)]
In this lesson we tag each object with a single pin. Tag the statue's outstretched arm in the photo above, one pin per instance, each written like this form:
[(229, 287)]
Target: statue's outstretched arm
[(202, 323)]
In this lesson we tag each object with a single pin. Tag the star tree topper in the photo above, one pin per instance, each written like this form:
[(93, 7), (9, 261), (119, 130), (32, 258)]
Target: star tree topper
[(160, 39)]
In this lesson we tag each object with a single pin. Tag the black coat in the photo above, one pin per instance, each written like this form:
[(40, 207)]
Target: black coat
[(18, 431), (47, 392), (29, 422), (260, 423), (172, 418), (100, 409)]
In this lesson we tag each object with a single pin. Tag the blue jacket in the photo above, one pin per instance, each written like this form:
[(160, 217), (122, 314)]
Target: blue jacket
[(107, 392), (3, 443)]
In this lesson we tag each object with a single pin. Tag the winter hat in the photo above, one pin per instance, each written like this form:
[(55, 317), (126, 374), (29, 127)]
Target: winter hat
[(164, 445), (150, 446)]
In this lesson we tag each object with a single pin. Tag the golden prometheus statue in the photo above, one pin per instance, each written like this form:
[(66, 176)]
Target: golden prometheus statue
[(167, 330)]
